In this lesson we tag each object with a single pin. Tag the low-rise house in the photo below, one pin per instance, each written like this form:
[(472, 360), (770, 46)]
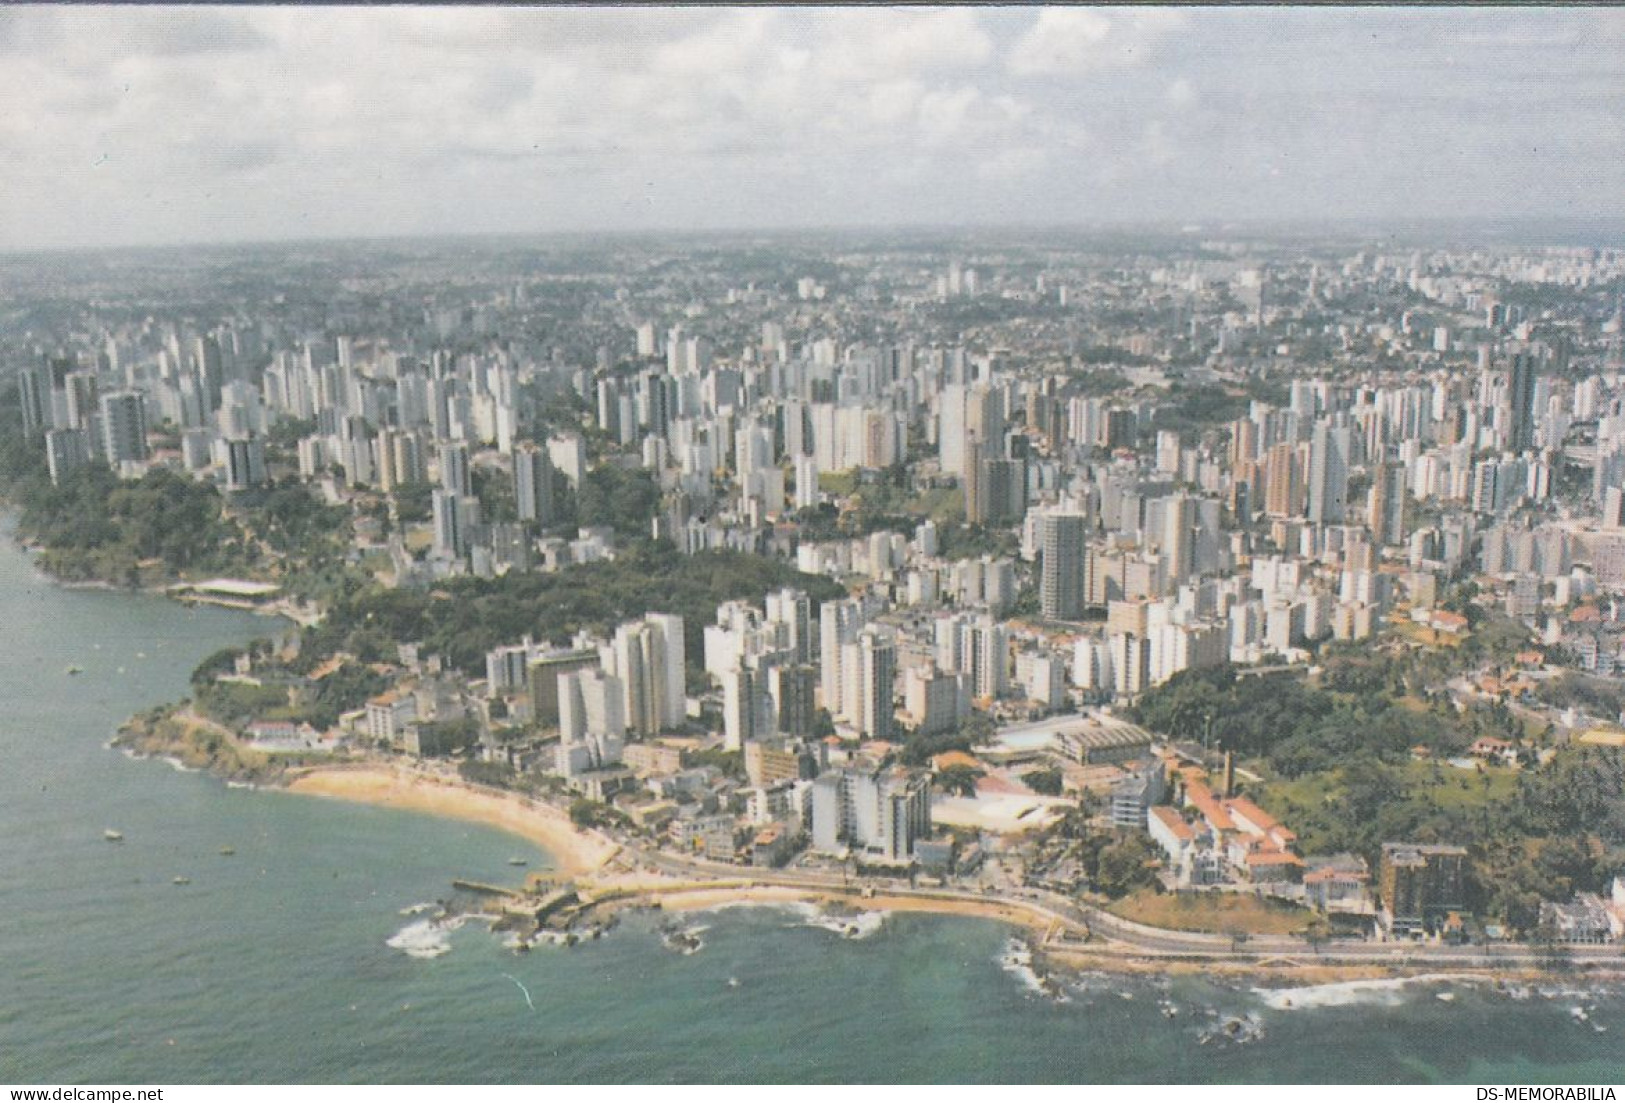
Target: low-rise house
[(1585, 920), (773, 845), (1339, 883), (1263, 863)]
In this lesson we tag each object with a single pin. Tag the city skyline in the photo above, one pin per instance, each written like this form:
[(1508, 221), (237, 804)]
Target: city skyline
[(163, 126)]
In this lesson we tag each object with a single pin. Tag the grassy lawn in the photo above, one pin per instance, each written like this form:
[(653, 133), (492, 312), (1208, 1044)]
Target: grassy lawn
[(1428, 637), (1214, 912), (838, 482), (1443, 784)]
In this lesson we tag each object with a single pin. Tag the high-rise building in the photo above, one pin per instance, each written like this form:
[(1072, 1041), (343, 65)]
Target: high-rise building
[(533, 484), (647, 656), (455, 475), (792, 689), (124, 427), (995, 489), (1178, 541), (1061, 594), (791, 611), (747, 713), (592, 726), (66, 450), (1283, 481), (454, 519), (839, 622), (34, 392), (244, 463), (1385, 506), (879, 812), (1521, 400), (878, 673), (1328, 474), (1420, 885), (81, 391)]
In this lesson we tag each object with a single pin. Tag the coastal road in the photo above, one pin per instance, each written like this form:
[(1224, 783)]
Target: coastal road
[(1078, 921)]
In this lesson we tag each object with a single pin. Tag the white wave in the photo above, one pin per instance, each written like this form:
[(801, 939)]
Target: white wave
[(423, 939), (181, 767), (684, 941), (1387, 992), (1017, 960), (241, 785), (419, 909), (861, 925)]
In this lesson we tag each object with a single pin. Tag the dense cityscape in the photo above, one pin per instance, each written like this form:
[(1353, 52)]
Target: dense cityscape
[(1252, 586), (846, 545)]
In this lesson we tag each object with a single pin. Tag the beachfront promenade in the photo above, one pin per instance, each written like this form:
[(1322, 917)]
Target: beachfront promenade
[(613, 868), (1069, 925)]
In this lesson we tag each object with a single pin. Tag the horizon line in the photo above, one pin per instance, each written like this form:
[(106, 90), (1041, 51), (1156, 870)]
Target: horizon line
[(1357, 225)]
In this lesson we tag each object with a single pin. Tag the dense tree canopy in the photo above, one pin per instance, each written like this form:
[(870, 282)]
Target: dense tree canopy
[(464, 618)]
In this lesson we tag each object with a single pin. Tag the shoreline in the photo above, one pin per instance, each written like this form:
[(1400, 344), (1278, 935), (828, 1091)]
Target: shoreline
[(573, 851), (579, 855)]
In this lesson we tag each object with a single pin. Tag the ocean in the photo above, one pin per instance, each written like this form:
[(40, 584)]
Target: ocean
[(299, 957)]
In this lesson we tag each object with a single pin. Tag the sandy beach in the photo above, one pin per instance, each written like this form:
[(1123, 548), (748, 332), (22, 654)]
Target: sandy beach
[(574, 851)]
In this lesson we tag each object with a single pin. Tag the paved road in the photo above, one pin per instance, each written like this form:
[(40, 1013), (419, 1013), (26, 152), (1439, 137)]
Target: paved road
[(1078, 921)]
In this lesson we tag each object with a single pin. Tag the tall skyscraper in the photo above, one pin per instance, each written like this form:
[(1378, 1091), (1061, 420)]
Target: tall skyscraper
[(34, 391), (1328, 474), (1385, 507), (647, 656), (456, 476), (1178, 540), (838, 624), (747, 713), (1061, 594), (792, 689), (1283, 480), (1521, 398), (533, 484), (66, 450), (791, 611), (124, 427), (878, 674), (452, 524)]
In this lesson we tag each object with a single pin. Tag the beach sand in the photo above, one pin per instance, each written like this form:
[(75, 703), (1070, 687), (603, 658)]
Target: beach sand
[(573, 851)]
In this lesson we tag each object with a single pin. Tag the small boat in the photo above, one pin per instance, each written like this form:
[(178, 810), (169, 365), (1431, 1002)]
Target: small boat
[(227, 851), (113, 836), (518, 862), (733, 982), (72, 670), (181, 881), (1445, 997)]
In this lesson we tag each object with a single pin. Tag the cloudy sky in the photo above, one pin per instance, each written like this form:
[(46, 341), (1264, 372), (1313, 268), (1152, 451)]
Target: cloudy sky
[(156, 125)]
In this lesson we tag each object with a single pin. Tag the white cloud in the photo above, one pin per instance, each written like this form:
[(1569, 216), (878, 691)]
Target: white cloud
[(1076, 41), (204, 122)]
